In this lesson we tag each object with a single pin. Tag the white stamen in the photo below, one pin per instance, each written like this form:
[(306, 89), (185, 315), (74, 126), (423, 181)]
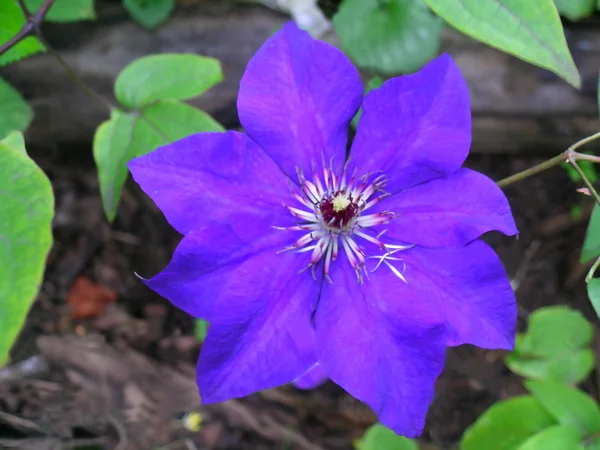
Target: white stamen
[(334, 212)]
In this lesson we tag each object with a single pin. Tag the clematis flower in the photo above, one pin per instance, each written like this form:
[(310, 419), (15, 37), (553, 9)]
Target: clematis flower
[(311, 264)]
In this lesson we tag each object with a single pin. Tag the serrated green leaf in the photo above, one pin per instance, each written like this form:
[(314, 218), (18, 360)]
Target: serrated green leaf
[(557, 437), (11, 22), (593, 290), (567, 405), (149, 13), (169, 76), (201, 329), (391, 36), (15, 112), (379, 437), (541, 352), (65, 10), (531, 31), (575, 9), (16, 141), (506, 425), (26, 211), (591, 244), (126, 136)]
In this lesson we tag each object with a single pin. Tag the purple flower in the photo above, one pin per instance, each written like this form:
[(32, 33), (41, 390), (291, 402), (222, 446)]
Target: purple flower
[(311, 265)]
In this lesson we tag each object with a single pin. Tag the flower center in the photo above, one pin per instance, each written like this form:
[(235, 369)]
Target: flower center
[(338, 211), (332, 215)]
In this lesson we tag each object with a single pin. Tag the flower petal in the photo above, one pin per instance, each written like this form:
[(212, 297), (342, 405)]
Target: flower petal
[(209, 258), (415, 127), (449, 211), (314, 377), (223, 177), (382, 349), (297, 98), (469, 287), (262, 335)]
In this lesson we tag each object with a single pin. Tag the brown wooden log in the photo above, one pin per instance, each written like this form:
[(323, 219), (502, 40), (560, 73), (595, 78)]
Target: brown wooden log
[(517, 107)]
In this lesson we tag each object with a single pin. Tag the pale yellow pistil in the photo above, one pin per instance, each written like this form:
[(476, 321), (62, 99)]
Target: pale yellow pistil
[(340, 203)]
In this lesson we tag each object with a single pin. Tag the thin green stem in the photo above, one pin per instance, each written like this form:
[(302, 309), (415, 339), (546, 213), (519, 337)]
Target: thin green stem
[(592, 271), (73, 76), (571, 158), (568, 155)]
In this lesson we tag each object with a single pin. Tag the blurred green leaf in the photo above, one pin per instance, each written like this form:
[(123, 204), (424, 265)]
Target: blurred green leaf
[(169, 76), (389, 36), (201, 329), (15, 112), (379, 437), (541, 352), (15, 141), (593, 445), (591, 244), (65, 10), (557, 437), (567, 405), (11, 22), (25, 239), (506, 425), (149, 13), (112, 151), (126, 136), (593, 290), (373, 83), (531, 31), (575, 10)]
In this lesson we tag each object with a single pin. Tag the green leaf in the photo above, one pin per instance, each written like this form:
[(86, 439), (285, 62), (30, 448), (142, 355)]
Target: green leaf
[(11, 22), (112, 151), (531, 31), (567, 405), (379, 437), (506, 425), (26, 211), (593, 290), (65, 10), (390, 36), (575, 10), (15, 141), (169, 76), (591, 244), (149, 13), (557, 437), (541, 352), (201, 329), (16, 114), (126, 136), (594, 445)]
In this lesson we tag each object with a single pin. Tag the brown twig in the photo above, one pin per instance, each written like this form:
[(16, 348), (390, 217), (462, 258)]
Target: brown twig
[(31, 26)]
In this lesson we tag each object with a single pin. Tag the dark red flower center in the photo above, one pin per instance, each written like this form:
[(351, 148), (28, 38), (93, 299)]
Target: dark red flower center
[(338, 210)]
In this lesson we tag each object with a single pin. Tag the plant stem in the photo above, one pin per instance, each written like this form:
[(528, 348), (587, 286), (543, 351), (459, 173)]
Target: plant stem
[(73, 76), (571, 158), (569, 155), (31, 26)]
